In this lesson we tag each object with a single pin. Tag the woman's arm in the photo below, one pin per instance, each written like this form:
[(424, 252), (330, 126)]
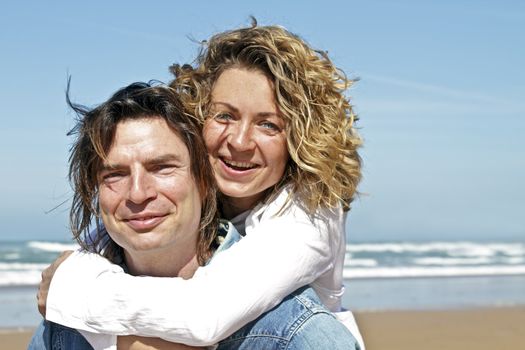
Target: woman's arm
[(240, 284), (47, 275)]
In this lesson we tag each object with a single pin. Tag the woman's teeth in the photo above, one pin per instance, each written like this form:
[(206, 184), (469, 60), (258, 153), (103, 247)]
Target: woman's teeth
[(239, 165)]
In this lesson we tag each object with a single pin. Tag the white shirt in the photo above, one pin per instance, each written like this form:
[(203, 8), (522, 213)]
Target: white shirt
[(278, 255)]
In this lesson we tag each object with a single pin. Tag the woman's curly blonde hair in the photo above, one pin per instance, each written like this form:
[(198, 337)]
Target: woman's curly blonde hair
[(325, 166)]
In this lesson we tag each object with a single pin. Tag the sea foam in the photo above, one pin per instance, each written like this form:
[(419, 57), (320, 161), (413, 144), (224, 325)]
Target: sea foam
[(411, 271), (52, 246)]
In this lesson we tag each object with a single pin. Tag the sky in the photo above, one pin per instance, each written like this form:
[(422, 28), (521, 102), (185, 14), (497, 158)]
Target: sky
[(440, 98)]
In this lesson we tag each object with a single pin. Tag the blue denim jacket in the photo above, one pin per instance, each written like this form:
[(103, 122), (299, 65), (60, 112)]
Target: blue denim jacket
[(299, 322)]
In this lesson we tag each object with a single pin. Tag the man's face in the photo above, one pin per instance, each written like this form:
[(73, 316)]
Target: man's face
[(148, 198)]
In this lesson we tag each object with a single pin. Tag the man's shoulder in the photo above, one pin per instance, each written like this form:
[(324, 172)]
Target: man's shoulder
[(227, 235)]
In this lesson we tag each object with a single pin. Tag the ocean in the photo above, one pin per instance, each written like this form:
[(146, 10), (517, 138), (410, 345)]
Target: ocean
[(378, 276)]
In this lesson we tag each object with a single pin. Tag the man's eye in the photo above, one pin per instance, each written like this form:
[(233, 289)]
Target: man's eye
[(164, 168), (112, 177)]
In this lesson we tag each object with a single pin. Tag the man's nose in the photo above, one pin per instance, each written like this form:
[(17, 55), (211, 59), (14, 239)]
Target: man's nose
[(141, 187), (241, 136)]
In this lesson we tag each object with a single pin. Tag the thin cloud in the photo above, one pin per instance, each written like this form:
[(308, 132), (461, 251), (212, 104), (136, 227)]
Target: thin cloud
[(435, 89), (411, 104), (104, 27)]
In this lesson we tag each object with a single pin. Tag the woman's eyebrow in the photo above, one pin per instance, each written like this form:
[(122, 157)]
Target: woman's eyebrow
[(226, 104), (236, 110)]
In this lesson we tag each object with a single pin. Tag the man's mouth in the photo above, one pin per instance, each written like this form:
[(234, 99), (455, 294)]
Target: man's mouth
[(145, 218), (240, 166), (145, 222)]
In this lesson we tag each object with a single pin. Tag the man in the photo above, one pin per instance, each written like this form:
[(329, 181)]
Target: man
[(139, 165)]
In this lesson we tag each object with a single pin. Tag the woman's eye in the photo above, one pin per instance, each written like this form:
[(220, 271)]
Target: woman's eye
[(223, 117), (270, 126)]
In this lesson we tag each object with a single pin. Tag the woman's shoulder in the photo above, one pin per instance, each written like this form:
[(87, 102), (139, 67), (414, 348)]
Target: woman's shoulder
[(295, 219), (287, 204)]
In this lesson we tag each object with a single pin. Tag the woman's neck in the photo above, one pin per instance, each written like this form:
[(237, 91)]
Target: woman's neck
[(231, 206)]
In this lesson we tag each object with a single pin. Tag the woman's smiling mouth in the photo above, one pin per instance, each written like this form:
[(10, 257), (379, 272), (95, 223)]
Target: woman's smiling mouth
[(240, 166)]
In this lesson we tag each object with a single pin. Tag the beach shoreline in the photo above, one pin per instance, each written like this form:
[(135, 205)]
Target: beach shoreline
[(501, 328)]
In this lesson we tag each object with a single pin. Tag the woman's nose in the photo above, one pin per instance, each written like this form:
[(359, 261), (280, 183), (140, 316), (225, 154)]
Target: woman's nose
[(241, 137)]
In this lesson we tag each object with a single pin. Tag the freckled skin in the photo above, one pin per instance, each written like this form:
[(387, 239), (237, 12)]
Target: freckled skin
[(245, 137)]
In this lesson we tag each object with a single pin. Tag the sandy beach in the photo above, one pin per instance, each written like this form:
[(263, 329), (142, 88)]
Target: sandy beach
[(480, 329), (15, 339)]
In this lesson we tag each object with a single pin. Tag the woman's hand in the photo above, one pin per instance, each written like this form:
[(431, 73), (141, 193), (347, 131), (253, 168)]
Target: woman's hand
[(132, 342), (47, 276)]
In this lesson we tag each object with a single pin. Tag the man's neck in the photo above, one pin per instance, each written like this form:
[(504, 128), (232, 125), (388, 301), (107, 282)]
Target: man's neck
[(162, 265)]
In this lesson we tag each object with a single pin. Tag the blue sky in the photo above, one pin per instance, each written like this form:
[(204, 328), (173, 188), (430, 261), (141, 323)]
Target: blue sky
[(440, 97)]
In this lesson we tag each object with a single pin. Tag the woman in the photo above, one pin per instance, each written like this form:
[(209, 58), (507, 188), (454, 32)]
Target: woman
[(280, 137)]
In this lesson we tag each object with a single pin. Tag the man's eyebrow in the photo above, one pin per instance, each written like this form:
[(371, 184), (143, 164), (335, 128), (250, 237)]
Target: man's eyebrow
[(110, 167), (170, 157), (236, 110), (165, 158)]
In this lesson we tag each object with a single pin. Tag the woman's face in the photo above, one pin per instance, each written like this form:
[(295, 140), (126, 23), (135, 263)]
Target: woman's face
[(245, 136)]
